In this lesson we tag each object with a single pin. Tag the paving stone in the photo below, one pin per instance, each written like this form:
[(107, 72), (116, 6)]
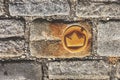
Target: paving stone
[(38, 7), (11, 28), (2, 7), (20, 71), (46, 31), (48, 39), (47, 49), (108, 38), (89, 9), (10, 48), (87, 70), (53, 49), (43, 30)]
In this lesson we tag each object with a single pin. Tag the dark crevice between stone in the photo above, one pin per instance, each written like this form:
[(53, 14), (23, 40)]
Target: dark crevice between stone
[(115, 20), (53, 20), (94, 37), (111, 2), (78, 59), (44, 70), (72, 9), (14, 18), (17, 61), (61, 21), (12, 38), (6, 5)]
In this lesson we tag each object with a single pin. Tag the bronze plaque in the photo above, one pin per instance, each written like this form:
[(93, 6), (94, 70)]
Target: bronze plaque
[(76, 38)]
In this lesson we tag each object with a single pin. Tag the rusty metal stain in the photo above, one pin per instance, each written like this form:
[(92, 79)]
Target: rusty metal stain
[(75, 39)]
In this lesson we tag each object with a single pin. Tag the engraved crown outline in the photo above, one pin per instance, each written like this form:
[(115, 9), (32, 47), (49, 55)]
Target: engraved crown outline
[(74, 40)]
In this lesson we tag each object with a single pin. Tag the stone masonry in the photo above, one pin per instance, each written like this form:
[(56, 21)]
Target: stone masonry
[(59, 39)]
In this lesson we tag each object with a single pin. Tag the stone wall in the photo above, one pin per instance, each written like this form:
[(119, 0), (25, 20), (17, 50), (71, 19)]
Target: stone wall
[(32, 34)]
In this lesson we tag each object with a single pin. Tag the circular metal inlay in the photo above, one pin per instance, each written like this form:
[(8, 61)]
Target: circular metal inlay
[(75, 38)]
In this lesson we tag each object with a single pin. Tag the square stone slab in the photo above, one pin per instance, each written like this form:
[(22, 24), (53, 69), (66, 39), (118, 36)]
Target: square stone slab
[(79, 70), (20, 71), (60, 40), (108, 38)]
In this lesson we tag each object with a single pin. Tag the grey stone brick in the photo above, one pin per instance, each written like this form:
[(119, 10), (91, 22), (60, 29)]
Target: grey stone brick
[(20, 71), (1, 7), (38, 7), (90, 70), (10, 48), (11, 28), (108, 38), (92, 9)]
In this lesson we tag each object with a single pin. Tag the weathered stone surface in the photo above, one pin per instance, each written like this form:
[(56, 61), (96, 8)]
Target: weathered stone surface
[(20, 71), (43, 30), (1, 7), (10, 48), (38, 7), (46, 31), (53, 49), (109, 38), (90, 70), (47, 39), (92, 9), (11, 28)]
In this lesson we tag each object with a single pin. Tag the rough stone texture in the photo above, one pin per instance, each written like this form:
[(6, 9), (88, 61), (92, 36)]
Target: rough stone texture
[(53, 49), (39, 31), (47, 49), (34, 34), (46, 40), (20, 71), (42, 30), (11, 28), (90, 70), (91, 9), (1, 7), (109, 38), (38, 7), (10, 48)]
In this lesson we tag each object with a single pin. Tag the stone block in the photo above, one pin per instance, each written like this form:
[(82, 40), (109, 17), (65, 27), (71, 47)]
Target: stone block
[(20, 71), (46, 31), (82, 70), (38, 7), (10, 48), (87, 9), (11, 28), (108, 38), (60, 40)]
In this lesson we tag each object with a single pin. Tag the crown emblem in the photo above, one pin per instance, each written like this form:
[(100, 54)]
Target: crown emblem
[(74, 40)]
